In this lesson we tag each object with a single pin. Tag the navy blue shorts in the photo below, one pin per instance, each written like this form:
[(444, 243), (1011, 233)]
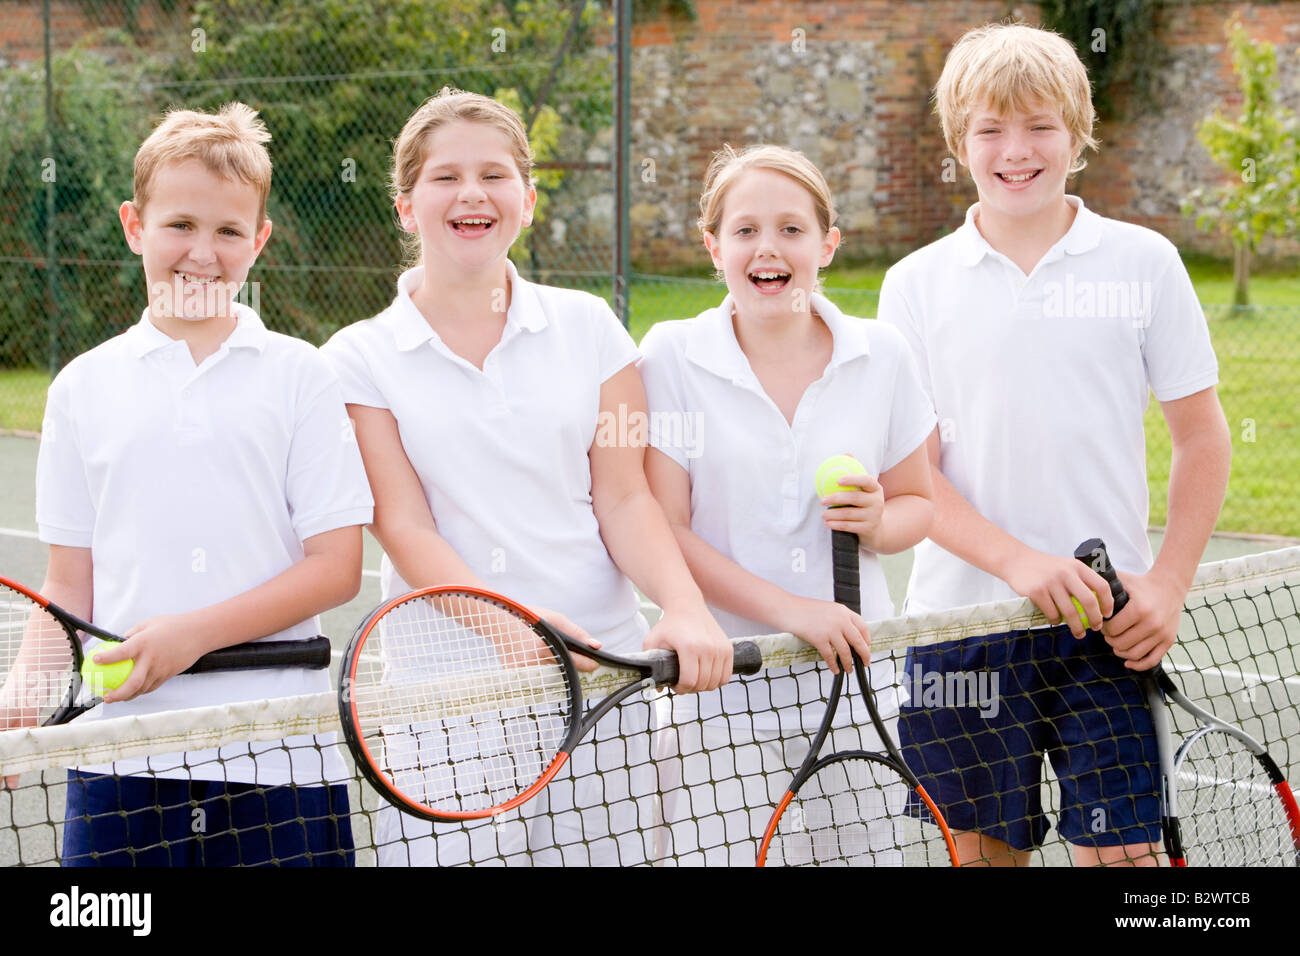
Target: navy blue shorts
[(983, 713), (148, 821)]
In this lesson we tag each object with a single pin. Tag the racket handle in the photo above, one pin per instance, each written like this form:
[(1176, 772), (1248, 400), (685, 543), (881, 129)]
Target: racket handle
[(844, 570), (1093, 553), (313, 654), (747, 659)]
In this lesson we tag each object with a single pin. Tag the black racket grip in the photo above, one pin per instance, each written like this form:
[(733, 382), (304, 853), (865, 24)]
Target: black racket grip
[(844, 570), (1093, 553), (313, 654), (747, 659)]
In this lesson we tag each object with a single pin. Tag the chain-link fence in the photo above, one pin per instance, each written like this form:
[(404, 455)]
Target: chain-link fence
[(335, 82)]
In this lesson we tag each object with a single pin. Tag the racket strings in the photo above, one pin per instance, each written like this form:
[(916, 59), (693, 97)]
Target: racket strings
[(37, 662), (459, 702), (1229, 811), (854, 811)]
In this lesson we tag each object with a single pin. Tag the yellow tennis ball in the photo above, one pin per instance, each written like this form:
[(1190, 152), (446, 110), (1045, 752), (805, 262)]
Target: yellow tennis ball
[(1083, 618), (832, 469), (105, 677)]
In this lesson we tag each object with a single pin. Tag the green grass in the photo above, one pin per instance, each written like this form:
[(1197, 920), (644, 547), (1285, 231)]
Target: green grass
[(22, 399), (1259, 370), (1259, 386)]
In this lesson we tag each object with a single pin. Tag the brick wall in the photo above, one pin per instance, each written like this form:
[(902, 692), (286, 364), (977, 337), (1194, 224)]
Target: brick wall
[(22, 36), (730, 76)]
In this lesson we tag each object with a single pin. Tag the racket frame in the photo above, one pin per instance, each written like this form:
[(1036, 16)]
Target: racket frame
[(1160, 690), (657, 670)]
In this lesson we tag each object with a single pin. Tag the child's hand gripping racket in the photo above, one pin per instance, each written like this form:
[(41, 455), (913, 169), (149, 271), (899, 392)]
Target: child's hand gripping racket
[(460, 704), (850, 808), (1224, 802), (46, 677)]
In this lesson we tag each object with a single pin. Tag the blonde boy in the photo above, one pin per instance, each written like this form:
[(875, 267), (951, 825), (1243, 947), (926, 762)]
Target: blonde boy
[(198, 488), (1040, 327)]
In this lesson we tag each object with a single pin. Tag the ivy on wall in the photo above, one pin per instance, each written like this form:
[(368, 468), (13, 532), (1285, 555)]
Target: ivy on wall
[(1116, 40)]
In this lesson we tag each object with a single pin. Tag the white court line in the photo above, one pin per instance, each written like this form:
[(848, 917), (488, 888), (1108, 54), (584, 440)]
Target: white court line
[(1197, 780), (1244, 677), (15, 533)]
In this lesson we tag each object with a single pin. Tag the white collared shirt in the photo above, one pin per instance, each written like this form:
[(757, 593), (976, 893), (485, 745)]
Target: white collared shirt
[(1040, 383), (752, 472), (192, 485), (502, 452)]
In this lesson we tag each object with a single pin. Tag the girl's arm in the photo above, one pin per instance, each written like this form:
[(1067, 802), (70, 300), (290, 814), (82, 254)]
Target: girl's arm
[(404, 525), (638, 538), (827, 626), (889, 514)]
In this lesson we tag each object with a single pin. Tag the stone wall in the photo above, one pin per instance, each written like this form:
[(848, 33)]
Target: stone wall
[(848, 83)]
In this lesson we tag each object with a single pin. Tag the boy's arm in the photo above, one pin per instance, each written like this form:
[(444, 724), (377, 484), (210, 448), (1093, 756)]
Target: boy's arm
[(1200, 461), (70, 580), (162, 647), (1047, 580)]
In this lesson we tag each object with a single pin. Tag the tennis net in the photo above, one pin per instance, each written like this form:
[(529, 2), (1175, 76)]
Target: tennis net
[(681, 781)]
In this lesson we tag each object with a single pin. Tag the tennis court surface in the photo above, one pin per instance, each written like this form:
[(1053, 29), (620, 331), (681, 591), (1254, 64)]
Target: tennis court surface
[(1238, 655)]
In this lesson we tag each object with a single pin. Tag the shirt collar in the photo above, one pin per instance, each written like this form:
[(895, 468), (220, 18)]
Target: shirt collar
[(713, 346), (1084, 235), (249, 332), (412, 330)]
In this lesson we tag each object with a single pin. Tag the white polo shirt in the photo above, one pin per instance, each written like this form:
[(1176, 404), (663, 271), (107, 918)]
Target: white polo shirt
[(751, 472), (192, 485), (502, 452), (1040, 383)]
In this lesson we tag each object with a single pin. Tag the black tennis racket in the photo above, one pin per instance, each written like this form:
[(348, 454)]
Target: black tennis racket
[(1224, 801), (851, 808), (460, 704), (46, 677)]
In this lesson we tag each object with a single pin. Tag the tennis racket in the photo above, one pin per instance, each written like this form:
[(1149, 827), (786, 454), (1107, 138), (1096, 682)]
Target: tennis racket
[(850, 808), (460, 704), (1224, 802), (46, 677)]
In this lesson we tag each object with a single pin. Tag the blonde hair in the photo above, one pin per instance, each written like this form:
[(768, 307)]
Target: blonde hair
[(228, 142), (449, 105), (1012, 67), (727, 165)]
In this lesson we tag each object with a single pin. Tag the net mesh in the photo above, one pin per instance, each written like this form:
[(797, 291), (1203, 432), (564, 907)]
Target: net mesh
[(1234, 816), (655, 786)]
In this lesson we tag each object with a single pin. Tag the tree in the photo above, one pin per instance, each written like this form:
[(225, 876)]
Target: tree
[(98, 120), (1261, 153), (336, 80)]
